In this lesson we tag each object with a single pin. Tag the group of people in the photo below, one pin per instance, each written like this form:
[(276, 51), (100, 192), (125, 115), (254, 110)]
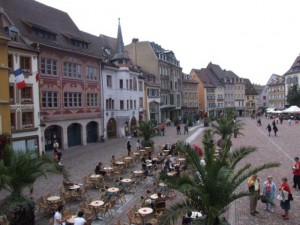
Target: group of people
[(59, 219), (185, 129), (268, 195), (275, 128)]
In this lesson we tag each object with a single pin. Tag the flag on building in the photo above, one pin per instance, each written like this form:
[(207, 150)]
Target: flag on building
[(37, 77), (20, 78)]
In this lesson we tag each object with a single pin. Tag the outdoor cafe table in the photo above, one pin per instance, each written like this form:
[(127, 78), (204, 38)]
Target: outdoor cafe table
[(119, 163), (166, 150), (155, 196), (95, 176), (53, 198), (138, 174), (162, 184), (127, 158), (144, 212), (96, 204), (126, 180), (196, 214), (181, 159), (71, 219), (74, 187), (113, 189), (108, 168), (171, 174)]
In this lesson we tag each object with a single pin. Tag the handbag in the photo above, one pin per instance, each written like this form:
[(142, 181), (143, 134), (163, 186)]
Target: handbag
[(290, 197), (263, 199), (279, 197)]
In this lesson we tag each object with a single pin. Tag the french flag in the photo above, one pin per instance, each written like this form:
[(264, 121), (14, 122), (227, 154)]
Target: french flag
[(20, 78)]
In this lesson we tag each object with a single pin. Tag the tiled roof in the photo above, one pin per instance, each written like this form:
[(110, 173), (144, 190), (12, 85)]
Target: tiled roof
[(26, 14), (204, 78), (295, 68), (279, 80), (249, 88)]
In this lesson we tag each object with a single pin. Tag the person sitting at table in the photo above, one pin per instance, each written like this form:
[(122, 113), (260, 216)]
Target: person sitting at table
[(66, 182), (144, 166), (165, 147), (58, 220), (113, 161), (169, 164), (187, 220), (79, 220), (160, 198), (99, 169)]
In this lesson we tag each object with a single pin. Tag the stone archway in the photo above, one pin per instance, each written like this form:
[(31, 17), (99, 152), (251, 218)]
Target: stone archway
[(92, 132), (52, 133), (74, 134), (111, 128)]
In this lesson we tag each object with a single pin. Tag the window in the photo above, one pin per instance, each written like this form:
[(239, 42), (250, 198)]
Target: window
[(26, 95), (141, 102), (92, 99), (140, 86), (11, 94), (25, 64), (134, 84), (10, 61), (178, 100), (134, 104), (72, 99), (121, 83), (79, 44), (171, 99), (127, 84), (49, 99), (121, 104), (108, 81), (91, 73), (27, 120), (110, 104), (130, 104), (72, 70), (130, 84), (49, 66), (127, 104), (13, 121)]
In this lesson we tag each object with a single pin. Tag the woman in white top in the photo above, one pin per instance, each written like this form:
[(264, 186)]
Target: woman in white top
[(58, 220), (79, 220)]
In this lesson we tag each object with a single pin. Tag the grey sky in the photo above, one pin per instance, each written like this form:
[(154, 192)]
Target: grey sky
[(253, 38)]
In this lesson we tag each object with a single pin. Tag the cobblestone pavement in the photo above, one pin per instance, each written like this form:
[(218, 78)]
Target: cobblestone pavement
[(282, 149), (81, 161)]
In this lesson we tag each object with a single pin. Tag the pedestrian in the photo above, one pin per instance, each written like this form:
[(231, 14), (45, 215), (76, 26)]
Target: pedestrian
[(254, 190), (273, 123), (275, 129), (178, 128), (79, 220), (269, 190), (55, 145), (290, 122), (162, 129), (285, 202), (138, 144), (128, 147), (277, 119), (59, 157), (186, 129), (269, 129), (296, 172), (281, 119)]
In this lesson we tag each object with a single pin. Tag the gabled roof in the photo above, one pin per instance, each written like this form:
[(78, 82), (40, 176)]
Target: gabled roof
[(222, 74), (249, 88), (279, 80), (27, 15), (295, 68), (202, 75)]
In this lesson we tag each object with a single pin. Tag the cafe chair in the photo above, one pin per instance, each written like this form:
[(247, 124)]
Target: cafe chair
[(89, 221), (51, 221), (121, 196), (67, 213), (132, 186), (112, 203), (4, 220), (43, 205), (160, 207), (87, 182), (134, 219), (104, 210)]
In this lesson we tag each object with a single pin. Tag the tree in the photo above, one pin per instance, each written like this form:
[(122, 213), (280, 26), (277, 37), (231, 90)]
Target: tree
[(210, 188), (18, 171), (293, 96), (148, 131)]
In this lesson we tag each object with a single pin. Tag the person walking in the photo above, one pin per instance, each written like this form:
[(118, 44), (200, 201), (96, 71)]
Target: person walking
[(128, 147), (269, 129), (178, 128), (275, 129), (269, 190), (290, 122), (285, 202), (186, 129), (58, 219), (138, 144), (296, 172), (162, 129), (254, 190)]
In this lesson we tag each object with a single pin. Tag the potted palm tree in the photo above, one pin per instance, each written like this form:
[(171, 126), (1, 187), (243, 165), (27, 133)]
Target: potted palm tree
[(19, 171), (148, 132), (211, 188)]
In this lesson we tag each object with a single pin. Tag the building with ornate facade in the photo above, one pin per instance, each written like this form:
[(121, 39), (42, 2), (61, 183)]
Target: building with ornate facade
[(292, 76), (251, 98), (123, 89), (276, 91), (69, 65), (162, 63), (190, 96)]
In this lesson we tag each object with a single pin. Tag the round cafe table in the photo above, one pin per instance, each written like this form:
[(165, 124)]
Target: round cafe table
[(128, 158), (171, 174), (149, 164), (96, 204), (181, 159), (138, 171), (71, 219), (107, 168), (147, 148), (166, 150), (53, 198), (144, 212), (94, 176), (126, 180), (154, 196), (162, 184), (196, 215), (74, 187), (142, 150), (119, 163), (113, 189)]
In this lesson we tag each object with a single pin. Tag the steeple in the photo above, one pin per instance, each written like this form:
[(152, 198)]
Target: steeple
[(120, 58), (120, 43)]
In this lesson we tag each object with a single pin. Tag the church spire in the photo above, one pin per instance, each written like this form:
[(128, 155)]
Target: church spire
[(120, 43), (120, 58)]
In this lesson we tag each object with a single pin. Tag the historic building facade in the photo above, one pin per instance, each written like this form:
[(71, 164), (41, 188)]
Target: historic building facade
[(292, 76), (276, 90), (154, 59), (69, 65), (251, 98), (190, 96)]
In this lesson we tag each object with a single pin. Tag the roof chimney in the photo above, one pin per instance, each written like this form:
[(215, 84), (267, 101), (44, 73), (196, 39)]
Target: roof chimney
[(135, 40)]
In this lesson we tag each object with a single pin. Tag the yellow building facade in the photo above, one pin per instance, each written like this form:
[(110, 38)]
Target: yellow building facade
[(5, 127)]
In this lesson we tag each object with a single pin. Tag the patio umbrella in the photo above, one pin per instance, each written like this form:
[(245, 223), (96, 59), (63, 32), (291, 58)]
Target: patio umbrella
[(292, 109)]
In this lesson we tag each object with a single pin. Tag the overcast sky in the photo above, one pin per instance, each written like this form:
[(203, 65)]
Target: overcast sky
[(253, 38)]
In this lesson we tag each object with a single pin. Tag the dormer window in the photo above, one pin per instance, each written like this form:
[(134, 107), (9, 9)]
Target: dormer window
[(44, 34), (12, 32), (80, 44)]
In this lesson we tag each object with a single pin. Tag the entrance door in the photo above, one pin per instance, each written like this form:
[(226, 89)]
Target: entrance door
[(74, 134), (111, 128), (91, 132), (52, 133)]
